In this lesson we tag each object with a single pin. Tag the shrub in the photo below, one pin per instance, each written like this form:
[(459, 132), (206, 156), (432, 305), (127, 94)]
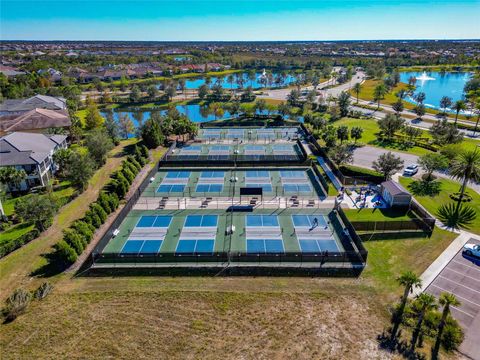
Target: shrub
[(75, 240), (144, 151), (43, 291), (16, 304), (137, 153), (113, 201), (134, 162), (84, 229), (128, 175), (6, 247), (104, 203), (96, 208), (92, 218), (64, 253), (129, 166), (121, 187)]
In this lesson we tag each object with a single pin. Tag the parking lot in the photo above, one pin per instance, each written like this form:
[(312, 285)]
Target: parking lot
[(461, 277)]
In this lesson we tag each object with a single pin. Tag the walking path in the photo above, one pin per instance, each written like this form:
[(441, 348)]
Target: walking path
[(330, 174)]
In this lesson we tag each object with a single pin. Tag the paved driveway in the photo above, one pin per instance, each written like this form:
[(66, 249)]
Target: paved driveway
[(364, 156), (461, 277)]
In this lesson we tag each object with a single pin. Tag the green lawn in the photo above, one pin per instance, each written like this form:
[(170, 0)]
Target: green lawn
[(387, 259), (367, 214), (14, 232), (431, 203)]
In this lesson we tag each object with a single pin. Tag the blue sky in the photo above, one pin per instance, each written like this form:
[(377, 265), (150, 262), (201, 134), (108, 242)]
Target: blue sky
[(239, 20)]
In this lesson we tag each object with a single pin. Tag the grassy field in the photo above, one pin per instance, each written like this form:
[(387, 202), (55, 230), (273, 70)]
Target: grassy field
[(228, 317), (431, 203), (368, 214)]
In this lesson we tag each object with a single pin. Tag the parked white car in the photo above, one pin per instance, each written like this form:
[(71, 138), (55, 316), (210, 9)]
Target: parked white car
[(472, 249), (410, 170)]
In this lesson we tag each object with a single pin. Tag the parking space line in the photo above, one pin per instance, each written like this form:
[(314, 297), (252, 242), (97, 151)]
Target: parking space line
[(458, 272), (468, 266), (469, 288), (458, 296)]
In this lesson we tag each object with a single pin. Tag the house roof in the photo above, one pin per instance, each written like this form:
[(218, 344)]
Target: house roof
[(394, 188), (10, 71), (35, 119), (21, 148), (37, 101)]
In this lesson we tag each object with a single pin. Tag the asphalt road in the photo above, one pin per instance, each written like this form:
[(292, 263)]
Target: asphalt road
[(461, 277)]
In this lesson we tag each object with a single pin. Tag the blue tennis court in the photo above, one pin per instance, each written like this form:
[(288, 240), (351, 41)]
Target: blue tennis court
[(201, 221), (142, 247), (215, 174), (192, 148), (262, 220), (154, 221), (297, 188), (308, 220), (293, 174), (254, 147), (219, 148), (283, 147), (262, 246), (214, 188), (178, 175), (168, 188), (257, 174), (315, 246), (195, 246)]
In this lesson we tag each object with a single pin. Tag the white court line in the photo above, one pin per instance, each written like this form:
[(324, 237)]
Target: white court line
[(456, 283), (458, 272), (468, 266), (458, 296)]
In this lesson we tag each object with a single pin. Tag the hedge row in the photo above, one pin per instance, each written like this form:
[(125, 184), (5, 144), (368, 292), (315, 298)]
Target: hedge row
[(12, 245), (78, 236), (350, 170)]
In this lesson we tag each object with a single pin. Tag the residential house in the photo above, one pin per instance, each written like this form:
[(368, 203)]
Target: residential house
[(36, 120), (20, 106), (10, 71), (33, 153)]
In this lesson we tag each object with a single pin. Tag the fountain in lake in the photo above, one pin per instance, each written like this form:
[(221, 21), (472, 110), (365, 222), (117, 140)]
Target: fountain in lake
[(424, 77)]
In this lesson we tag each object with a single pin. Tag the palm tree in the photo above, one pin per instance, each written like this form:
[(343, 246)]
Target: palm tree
[(458, 106), (379, 93), (445, 102), (466, 167), (446, 300), (231, 80), (409, 280), (357, 88), (424, 302), (477, 110)]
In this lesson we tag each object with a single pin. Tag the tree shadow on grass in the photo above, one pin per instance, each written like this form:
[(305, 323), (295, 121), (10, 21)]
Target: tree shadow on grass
[(51, 268), (425, 188), (391, 144)]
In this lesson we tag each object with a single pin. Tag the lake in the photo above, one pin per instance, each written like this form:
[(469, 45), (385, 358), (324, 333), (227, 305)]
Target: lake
[(275, 80), (435, 85), (194, 112)]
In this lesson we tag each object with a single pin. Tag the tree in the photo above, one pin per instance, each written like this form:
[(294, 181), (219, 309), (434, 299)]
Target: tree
[(465, 168), (125, 125), (93, 119), (357, 88), (283, 109), (344, 103), (445, 102), (398, 107), (388, 164), (151, 133), (217, 91), (356, 133), (444, 133), (152, 92), (412, 132), (446, 300), (389, 125), (379, 93), (423, 303), (419, 110), (456, 216), (98, 144), (260, 105), (36, 209), (432, 162), (111, 127), (181, 85), (12, 177), (409, 280), (79, 170), (61, 158), (170, 92), (203, 91), (420, 98), (135, 94), (458, 106), (293, 97), (342, 133), (341, 154)]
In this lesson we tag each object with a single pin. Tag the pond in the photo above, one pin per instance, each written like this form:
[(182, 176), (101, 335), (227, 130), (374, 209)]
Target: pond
[(241, 80), (435, 85), (194, 112)]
